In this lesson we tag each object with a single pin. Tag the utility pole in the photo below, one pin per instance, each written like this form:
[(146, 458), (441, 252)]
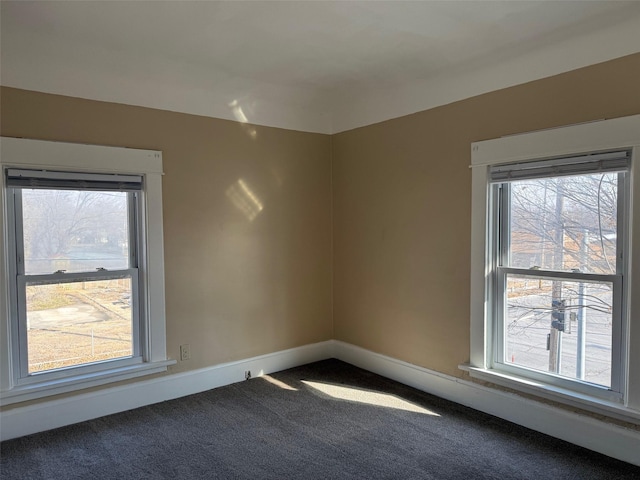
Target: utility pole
[(582, 310), (555, 338)]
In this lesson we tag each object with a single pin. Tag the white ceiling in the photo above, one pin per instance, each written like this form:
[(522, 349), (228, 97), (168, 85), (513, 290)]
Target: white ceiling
[(313, 66)]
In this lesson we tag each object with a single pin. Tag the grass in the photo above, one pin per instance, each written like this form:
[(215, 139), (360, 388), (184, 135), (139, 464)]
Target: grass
[(38, 299), (77, 323)]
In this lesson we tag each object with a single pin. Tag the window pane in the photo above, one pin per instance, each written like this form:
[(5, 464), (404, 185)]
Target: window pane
[(559, 326), (75, 231), (70, 324), (565, 223)]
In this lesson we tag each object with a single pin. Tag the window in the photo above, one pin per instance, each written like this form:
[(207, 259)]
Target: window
[(75, 279), (552, 265), (78, 254), (558, 266)]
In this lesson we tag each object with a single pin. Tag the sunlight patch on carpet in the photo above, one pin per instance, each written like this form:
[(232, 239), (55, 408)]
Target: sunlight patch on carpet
[(278, 383), (369, 397)]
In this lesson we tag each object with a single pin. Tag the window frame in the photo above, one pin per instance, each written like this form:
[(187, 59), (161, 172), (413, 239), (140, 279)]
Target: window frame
[(497, 252), (600, 136), (151, 350)]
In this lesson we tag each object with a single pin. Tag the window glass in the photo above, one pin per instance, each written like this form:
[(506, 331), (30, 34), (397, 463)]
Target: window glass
[(564, 223), (74, 230), (580, 312), (75, 323)]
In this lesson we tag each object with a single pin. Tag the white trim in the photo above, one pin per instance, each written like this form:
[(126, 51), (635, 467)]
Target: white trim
[(633, 285), (46, 415), (606, 438), (608, 407), (480, 334), (57, 386), (79, 157), (152, 267), (6, 361), (616, 133)]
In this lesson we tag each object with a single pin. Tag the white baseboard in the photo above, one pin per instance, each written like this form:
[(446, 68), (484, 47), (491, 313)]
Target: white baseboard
[(612, 440), (46, 415), (606, 438)]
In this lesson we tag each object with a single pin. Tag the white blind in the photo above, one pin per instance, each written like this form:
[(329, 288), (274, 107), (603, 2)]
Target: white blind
[(618, 161), (71, 180)]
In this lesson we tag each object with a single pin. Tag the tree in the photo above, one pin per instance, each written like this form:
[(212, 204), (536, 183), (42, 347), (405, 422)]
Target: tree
[(59, 222), (587, 205)]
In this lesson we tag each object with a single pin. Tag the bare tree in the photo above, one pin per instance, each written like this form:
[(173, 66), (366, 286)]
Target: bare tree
[(588, 206), (59, 221)]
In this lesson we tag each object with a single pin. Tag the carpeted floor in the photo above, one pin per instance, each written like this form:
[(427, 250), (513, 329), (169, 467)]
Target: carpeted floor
[(327, 420)]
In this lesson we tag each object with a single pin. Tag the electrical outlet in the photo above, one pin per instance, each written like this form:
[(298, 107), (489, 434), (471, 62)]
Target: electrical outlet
[(185, 352), (247, 374)]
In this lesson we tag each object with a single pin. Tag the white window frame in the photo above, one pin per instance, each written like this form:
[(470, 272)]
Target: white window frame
[(606, 135), (79, 158)]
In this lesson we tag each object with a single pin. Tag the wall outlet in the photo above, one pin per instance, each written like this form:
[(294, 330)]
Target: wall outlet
[(185, 352), (247, 374)]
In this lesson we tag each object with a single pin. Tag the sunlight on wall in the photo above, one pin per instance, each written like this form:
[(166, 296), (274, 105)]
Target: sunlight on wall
[(245, 199), (238, 112), (369, 397), (241, 117)]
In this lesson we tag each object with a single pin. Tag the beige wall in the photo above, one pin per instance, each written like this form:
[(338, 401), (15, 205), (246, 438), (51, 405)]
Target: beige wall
[(235, 287), (401, 192)]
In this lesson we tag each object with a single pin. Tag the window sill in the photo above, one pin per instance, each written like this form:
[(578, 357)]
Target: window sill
[(567, 397), (23, 393)]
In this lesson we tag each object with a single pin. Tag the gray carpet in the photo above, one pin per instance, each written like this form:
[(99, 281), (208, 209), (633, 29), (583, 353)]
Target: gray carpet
[(318, 421)]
